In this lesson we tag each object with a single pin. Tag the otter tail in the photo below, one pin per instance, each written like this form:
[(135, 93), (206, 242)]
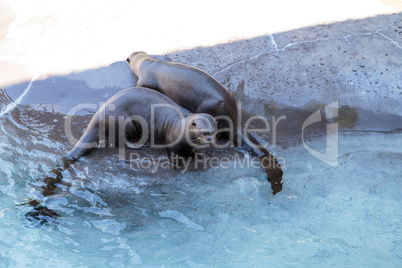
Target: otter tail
[(267, 160)]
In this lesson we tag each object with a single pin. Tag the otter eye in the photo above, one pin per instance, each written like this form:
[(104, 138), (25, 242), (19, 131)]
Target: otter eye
[(194, 124)]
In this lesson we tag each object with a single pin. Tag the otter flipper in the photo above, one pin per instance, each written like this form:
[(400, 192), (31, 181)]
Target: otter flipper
[(85, 144), (267, 160)]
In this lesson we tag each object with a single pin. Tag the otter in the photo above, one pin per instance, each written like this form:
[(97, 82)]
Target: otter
[(199, 92)]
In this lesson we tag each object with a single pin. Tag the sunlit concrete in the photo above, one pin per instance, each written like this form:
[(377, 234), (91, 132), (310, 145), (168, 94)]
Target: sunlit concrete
[(49, 37)]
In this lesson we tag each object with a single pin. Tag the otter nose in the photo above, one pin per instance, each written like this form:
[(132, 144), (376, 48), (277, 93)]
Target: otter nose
[(210, 138)]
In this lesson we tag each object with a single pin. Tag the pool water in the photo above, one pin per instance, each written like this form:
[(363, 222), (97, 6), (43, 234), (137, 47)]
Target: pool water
[(114, 214)]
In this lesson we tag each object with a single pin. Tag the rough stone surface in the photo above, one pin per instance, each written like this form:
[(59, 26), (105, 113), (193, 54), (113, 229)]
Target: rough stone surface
[(357, 63), (214, 59)]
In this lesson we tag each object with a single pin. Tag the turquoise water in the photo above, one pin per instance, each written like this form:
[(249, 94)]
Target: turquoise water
[(116, 215)]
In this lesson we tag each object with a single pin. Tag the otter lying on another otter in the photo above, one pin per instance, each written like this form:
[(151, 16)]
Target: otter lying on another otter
[(199, 92)]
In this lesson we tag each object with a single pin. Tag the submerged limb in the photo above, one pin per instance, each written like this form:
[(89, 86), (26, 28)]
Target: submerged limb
[(86, 143), (267, 160), (56, 176), (39, 212)]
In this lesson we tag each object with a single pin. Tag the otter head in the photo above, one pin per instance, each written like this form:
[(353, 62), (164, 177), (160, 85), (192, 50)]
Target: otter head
[(202, 128), (132, 55)]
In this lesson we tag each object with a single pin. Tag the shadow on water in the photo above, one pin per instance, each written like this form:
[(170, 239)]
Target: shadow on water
[(290, 75)]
